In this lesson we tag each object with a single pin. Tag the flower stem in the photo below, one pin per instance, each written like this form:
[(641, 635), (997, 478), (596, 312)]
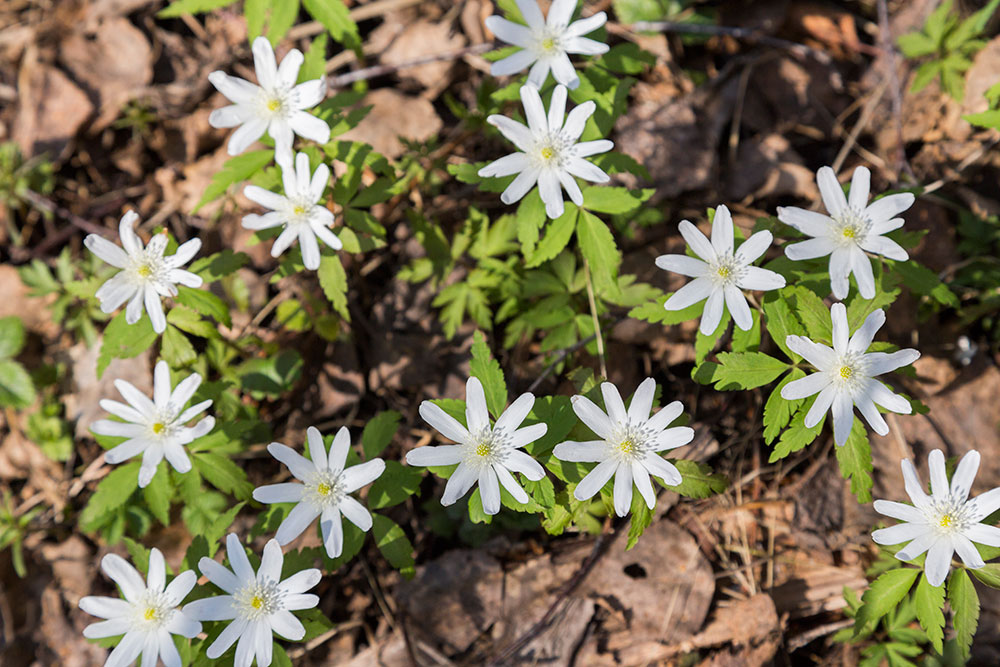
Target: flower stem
[(593, 314)]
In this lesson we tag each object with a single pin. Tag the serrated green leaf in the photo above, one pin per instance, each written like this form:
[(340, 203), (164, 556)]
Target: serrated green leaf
[(111, 494), (157, 495), (333, 280), (222, 473), (781, 323), (235, 170), (191, 322), (811, 311), (379, 432), (204, 302), (335, 17), (641, 517), (990, 119), (16, 388), (964, 603), (855, 459), (394, 545), (557, 234), (989, 574), (124, 341), (655, 313), (884, 594), (219, 265), (176, 349), (192, 7), (11, 336), (778, 411), (797, 435), (745, 370), (393, 486), (487, 369), (929, 605), (597, 244), (604, 199), (697, 480)]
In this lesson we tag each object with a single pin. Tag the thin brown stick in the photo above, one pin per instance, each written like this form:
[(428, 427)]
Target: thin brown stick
[(593, 314), (45, 204)]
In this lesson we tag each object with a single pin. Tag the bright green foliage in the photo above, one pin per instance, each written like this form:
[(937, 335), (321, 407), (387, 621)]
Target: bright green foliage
[(855, 459), (71, 289), (16, 388), (18, 178), (124, 341), (336, 19), (279, 15), (13, 529), (394, 545), (964, 603), (929, 605), (741, 370), (379, 432), (179, 7), (235, 170), (486, 368), (950, 42), (884, 595)]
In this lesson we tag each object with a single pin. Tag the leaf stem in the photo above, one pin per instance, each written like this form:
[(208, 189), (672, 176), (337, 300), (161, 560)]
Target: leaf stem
[(593, 314)]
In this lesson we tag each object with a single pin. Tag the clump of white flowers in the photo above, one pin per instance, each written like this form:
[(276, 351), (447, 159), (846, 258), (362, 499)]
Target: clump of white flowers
[(146, 274), (485, 454), (720, 275), (549, 152), (155, 428), (852, 227), (546, 42), (943, 523), (299, 211), (629, 445), (845, 375), (276, 105), (323, 489)]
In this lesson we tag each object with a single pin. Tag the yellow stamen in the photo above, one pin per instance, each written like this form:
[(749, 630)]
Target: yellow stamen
[(946, 520), (257, 602), (482, 449), (323, 489), (548, 44), (548, 153), (274, 105), (627, 446), (150, 613), (724, 271), (846, 372), (158, 428), (144, 271), (849, 232), (299, 210)]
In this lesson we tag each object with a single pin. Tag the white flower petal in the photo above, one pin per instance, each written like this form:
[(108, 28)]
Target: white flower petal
[(641, 478), (939, 476), (964, 476), (332, 528), (830, 191), (889, 207), (697, 241), (515, 132), (938, 562), (103, 607), (534, 110), (308, 126), (584, 46), (264, 64), (984, 534), (550, 192), (521, 185), (967, 552), (299, 518), (840, 268), (297, 464), (623, 489), (245, 135), (515, 413), (871, 414), (126, 576), (809, 223), (527, 435), (588, 148), (819, 407), (804, 387), (613, 403), (507, 165), (531, 13), (663, 469), (286, 625), (362, 474), (440, 455), (356, 513), (309, 93), (289, 492), (463, 479), (218, 608), (899, 511), (738, 307), (512, 33), (489, 490), (576, 119), (477, 416), (595, 480), (900, 533), (843, 417), (592, 416), (591, 451), (682, 264), (237, 90), (917, 546), (673, 438), (690, 294), (860, 188), (879, 393), (882, 245), (665, 416), (818, 247), (127, 651), (447, 425), (712, 315), (722, 231), (753, 247), (642, 401), (226, 638), (508, 482), (914, 489), (588, 171), (518, 461), (862, 267), (755, 278), (564, 72)]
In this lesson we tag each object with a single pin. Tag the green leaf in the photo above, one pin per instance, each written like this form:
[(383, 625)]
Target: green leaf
[(989, 574), (778, 411), (124, 341), (487, 369), (916, 44), (111, 494), (283, 15), (11, 336), (811, 311), (314, 63), (235, 170), (642, 516), (855, 458), (990, 119), (964, 603), (379, 432), (16, 388), (222, 473), (781, 323), (797, 435), (219, 265), (598, 247), (191, 7), (611, 200), (204, 302), (883, 595), (176, 349), (745, 370), (393, 486), (697, 480), (655, 313), (191, 322), (335, 17), (925, 282), (157, 494), (394, 545), (556, 237), (272, 376), (929, 605), (333, 280)]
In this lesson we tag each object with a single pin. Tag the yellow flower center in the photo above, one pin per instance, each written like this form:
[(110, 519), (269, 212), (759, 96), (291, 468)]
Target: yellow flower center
[(548, 153), (548, 44), (323, 489), (627, 446), (274, 105), (846, 372), (724, 271), (849, 232), (482, 449), (144, 271), (946, 521), (299, 209), (150, 613), (257, 602), (158, 428)]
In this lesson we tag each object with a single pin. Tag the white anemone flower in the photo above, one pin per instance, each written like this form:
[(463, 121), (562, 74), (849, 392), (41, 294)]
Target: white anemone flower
[(156, 428), (485, 454), (259, 604), (845, 375), (276, 106), (545, 42), (721, 275), (145, 276), (943, 523), (852, 227), (148, 615), (548, 151), (299, 210), (322, 491), (629, 445)]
